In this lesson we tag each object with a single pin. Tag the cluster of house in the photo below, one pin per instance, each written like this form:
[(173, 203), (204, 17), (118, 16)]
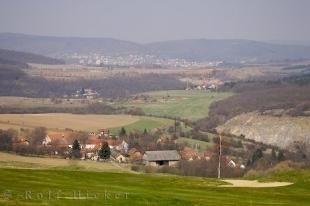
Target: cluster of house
[(62, 141), (90, 146), (120, 151), (206, 85), (172, 157), (86, 93)]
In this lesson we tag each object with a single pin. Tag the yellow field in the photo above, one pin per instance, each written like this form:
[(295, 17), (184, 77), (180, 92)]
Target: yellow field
[(62, 121)]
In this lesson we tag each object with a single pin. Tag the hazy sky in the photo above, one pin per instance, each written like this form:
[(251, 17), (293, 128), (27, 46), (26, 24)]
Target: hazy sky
[(157, 20)]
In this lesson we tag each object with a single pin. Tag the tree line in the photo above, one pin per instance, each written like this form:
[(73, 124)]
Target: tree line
[(15, 82)]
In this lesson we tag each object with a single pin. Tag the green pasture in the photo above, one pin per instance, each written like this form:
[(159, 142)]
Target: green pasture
[(191, 104)]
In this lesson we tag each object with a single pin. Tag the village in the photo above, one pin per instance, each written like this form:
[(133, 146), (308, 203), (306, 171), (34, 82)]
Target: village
[(121, 149)]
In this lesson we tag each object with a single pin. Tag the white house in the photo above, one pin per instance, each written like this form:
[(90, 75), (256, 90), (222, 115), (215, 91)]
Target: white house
[(122, 147)]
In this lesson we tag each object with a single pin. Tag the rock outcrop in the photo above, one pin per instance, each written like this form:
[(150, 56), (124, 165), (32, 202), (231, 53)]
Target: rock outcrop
[(284, 131)]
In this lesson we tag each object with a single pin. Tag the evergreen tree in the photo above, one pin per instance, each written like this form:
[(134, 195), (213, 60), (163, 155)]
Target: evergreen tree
[(105, 152), (82, 91), (123, 132), (256, 155), (145, 131), (273, 155), (281, 156), (76, 149)]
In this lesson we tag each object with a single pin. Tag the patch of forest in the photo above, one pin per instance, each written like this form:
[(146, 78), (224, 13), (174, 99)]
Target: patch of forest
[(15, 82)]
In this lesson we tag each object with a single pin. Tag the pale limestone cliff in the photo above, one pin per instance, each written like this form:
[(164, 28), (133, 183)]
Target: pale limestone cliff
[(283, 131)]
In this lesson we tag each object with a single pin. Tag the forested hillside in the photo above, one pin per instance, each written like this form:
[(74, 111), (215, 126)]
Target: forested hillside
[(10, 57)]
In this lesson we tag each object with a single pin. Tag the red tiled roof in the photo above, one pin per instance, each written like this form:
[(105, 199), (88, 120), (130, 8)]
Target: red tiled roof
[(20, 140), (92, 140), (67, 136), (113, 142), (188, 153)]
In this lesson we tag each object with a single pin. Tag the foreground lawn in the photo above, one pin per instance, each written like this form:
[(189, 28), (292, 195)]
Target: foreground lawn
[(62, 187), (180, 103)]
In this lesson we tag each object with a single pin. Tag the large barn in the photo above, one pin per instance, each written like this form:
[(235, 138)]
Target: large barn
[(158, 158)]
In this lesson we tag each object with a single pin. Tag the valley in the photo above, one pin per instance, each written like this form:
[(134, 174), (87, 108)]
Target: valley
[(154, 103)]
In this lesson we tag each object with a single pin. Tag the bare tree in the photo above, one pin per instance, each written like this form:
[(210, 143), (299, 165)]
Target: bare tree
[(37, 135)]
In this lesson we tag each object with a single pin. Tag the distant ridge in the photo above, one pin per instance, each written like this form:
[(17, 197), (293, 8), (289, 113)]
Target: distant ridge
[(53, 46), (17, 57), (235, 50)]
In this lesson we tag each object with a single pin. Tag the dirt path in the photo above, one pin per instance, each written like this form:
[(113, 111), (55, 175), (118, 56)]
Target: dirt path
[(254, 183)]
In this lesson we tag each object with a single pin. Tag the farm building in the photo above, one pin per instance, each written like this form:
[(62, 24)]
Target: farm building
[(158, 158)]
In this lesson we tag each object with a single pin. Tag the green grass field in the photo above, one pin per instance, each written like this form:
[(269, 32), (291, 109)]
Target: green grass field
[(179, 103), (62, 187), (195, 144), (145, 122)]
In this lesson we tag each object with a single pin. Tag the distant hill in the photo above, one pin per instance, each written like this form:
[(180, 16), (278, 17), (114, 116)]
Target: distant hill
[(228, 50), (12, 63), (15, 57), (55, 46), (191, 49)]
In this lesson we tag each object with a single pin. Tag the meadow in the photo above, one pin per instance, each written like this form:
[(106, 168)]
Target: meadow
[(195, 144), (192, 104), (75, 187), (144, 122)]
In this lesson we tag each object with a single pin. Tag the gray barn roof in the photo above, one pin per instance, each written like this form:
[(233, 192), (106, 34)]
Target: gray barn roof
[(161, 155)]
